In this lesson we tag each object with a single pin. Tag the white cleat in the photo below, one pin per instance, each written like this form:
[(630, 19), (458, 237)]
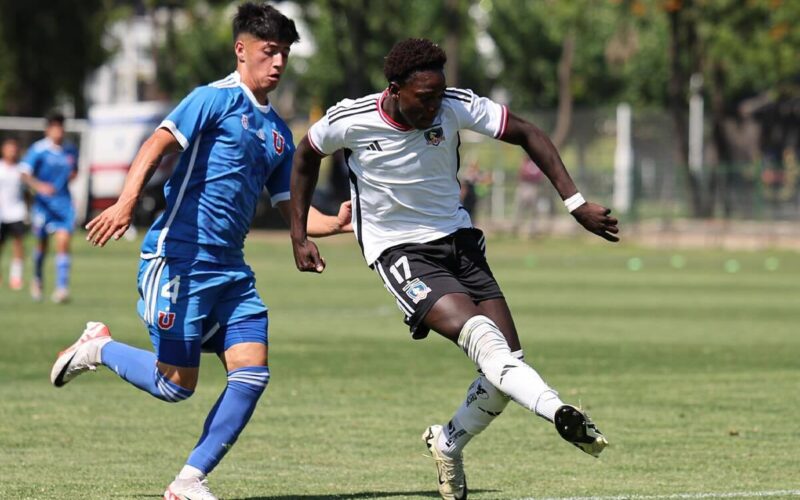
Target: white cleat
[(452, 481), (83, 355), (192, 488), (60, 296), (576, 427)]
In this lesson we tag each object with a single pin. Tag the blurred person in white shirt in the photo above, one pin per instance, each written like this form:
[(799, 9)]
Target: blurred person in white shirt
[(13, 210)]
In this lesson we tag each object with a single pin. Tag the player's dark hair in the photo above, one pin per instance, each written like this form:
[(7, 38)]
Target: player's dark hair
[(412, 55), (54, 117), (264, 22)]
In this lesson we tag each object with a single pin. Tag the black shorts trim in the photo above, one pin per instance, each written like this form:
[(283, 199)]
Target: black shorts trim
[(419, 274), (12, 229)]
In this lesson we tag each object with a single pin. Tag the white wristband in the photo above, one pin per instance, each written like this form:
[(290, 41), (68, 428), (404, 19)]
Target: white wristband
[(574, 202)]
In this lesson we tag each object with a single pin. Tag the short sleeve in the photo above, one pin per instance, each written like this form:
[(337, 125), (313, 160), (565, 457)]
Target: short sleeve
[(29, 162), (328, 134), (197, 112), (477, 113), (278, 181)]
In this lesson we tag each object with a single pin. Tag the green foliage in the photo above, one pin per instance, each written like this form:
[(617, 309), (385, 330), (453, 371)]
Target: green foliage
[(352, 39), (48, 50), (198, 52)]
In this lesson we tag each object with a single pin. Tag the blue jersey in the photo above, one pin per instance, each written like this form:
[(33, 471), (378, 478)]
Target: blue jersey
[(233, 148), (54, 164)]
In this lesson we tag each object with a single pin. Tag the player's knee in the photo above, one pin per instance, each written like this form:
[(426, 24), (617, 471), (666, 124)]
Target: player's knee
[(251, 379), (169, 391)]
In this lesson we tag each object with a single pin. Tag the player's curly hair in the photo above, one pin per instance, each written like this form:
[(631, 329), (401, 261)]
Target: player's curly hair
[(264, 22), (412, 55)]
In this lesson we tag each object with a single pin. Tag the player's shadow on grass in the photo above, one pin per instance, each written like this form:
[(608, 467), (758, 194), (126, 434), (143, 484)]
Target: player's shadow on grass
[(357, 496)]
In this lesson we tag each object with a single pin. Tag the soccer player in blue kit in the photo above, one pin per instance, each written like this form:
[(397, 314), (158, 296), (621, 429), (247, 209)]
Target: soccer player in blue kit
[(48, 167), (196, 292)]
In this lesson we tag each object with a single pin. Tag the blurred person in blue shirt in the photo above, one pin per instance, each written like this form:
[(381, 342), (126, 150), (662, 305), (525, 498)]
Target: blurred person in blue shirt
[(48, 167)]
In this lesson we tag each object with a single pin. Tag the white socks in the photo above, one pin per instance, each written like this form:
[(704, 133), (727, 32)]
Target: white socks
[(485, 345), (189, 472), (482, 405)]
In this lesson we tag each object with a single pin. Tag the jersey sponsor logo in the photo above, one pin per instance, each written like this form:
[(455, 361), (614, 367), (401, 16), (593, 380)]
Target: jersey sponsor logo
[(245, 122), (417, 290), (166, 320), (278, 141), (434, 136)]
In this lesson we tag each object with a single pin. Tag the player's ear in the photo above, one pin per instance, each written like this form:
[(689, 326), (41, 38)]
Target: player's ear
[(238, 49), (394, 88)]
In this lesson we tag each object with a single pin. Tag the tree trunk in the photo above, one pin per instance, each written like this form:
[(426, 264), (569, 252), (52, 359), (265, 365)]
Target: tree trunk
[(452, 41), (564, 116), (680, 43)]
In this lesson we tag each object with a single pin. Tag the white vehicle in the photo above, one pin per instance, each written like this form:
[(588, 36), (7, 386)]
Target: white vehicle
[(116, 131)]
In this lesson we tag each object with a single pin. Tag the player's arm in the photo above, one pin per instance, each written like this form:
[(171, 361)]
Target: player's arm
[(595, 218), (305, 173), (37, 186), (321, 225), (115, 220), (28, 171)]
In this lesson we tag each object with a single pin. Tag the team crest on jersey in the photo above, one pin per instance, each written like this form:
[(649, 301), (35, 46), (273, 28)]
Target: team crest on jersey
[(434, 136), (417, 290), (278, 141), (245, 122), (166, 320)]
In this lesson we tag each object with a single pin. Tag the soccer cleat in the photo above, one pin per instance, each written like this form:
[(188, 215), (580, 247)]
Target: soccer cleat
[(576, 427), (36, 290), (192, 488), (60, 296), (83, 355), (452, 481), (15, 283)]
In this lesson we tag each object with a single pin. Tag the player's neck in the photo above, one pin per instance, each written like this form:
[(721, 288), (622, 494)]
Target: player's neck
[(259, 93), (390, 107)]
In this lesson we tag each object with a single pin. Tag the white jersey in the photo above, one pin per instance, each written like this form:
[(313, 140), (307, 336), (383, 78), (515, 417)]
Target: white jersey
[(403, 180), (12, 204)]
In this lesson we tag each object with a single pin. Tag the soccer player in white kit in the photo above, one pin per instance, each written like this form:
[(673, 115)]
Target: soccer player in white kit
[(401, 147), (12, 209)]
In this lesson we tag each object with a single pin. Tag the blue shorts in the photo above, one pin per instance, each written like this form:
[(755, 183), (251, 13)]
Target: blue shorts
[(44, 221), (191, 306)]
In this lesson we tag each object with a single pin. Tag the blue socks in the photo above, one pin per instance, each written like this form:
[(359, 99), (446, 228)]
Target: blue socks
[(226, 419), (138, 367), (63, 262), (229, 416)]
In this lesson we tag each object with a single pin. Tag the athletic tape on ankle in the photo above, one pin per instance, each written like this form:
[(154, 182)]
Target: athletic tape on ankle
[(574, 202)]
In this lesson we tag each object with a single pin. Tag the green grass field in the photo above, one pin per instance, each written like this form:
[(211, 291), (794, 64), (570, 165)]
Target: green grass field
[(688, 361)]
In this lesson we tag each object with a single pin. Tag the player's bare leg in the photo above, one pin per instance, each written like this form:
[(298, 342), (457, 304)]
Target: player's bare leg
[(39, 252), (17, 263)]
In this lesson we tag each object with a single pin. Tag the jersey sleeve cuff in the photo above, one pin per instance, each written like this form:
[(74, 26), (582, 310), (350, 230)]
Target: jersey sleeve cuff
[(173, 129), (25, 168), (503, 122), (279, 198), (314, 146)]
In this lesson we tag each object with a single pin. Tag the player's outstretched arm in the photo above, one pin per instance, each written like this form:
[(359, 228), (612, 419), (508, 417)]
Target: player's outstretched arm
[(116, 219), (595, 218), (305, 173)]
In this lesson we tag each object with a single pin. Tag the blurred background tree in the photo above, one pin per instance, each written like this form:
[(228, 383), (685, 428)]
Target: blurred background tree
[(48, 50)]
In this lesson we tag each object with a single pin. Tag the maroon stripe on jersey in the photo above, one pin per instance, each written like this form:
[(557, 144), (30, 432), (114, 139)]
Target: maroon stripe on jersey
[(503, 123), (314, 146), (388, 119)]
